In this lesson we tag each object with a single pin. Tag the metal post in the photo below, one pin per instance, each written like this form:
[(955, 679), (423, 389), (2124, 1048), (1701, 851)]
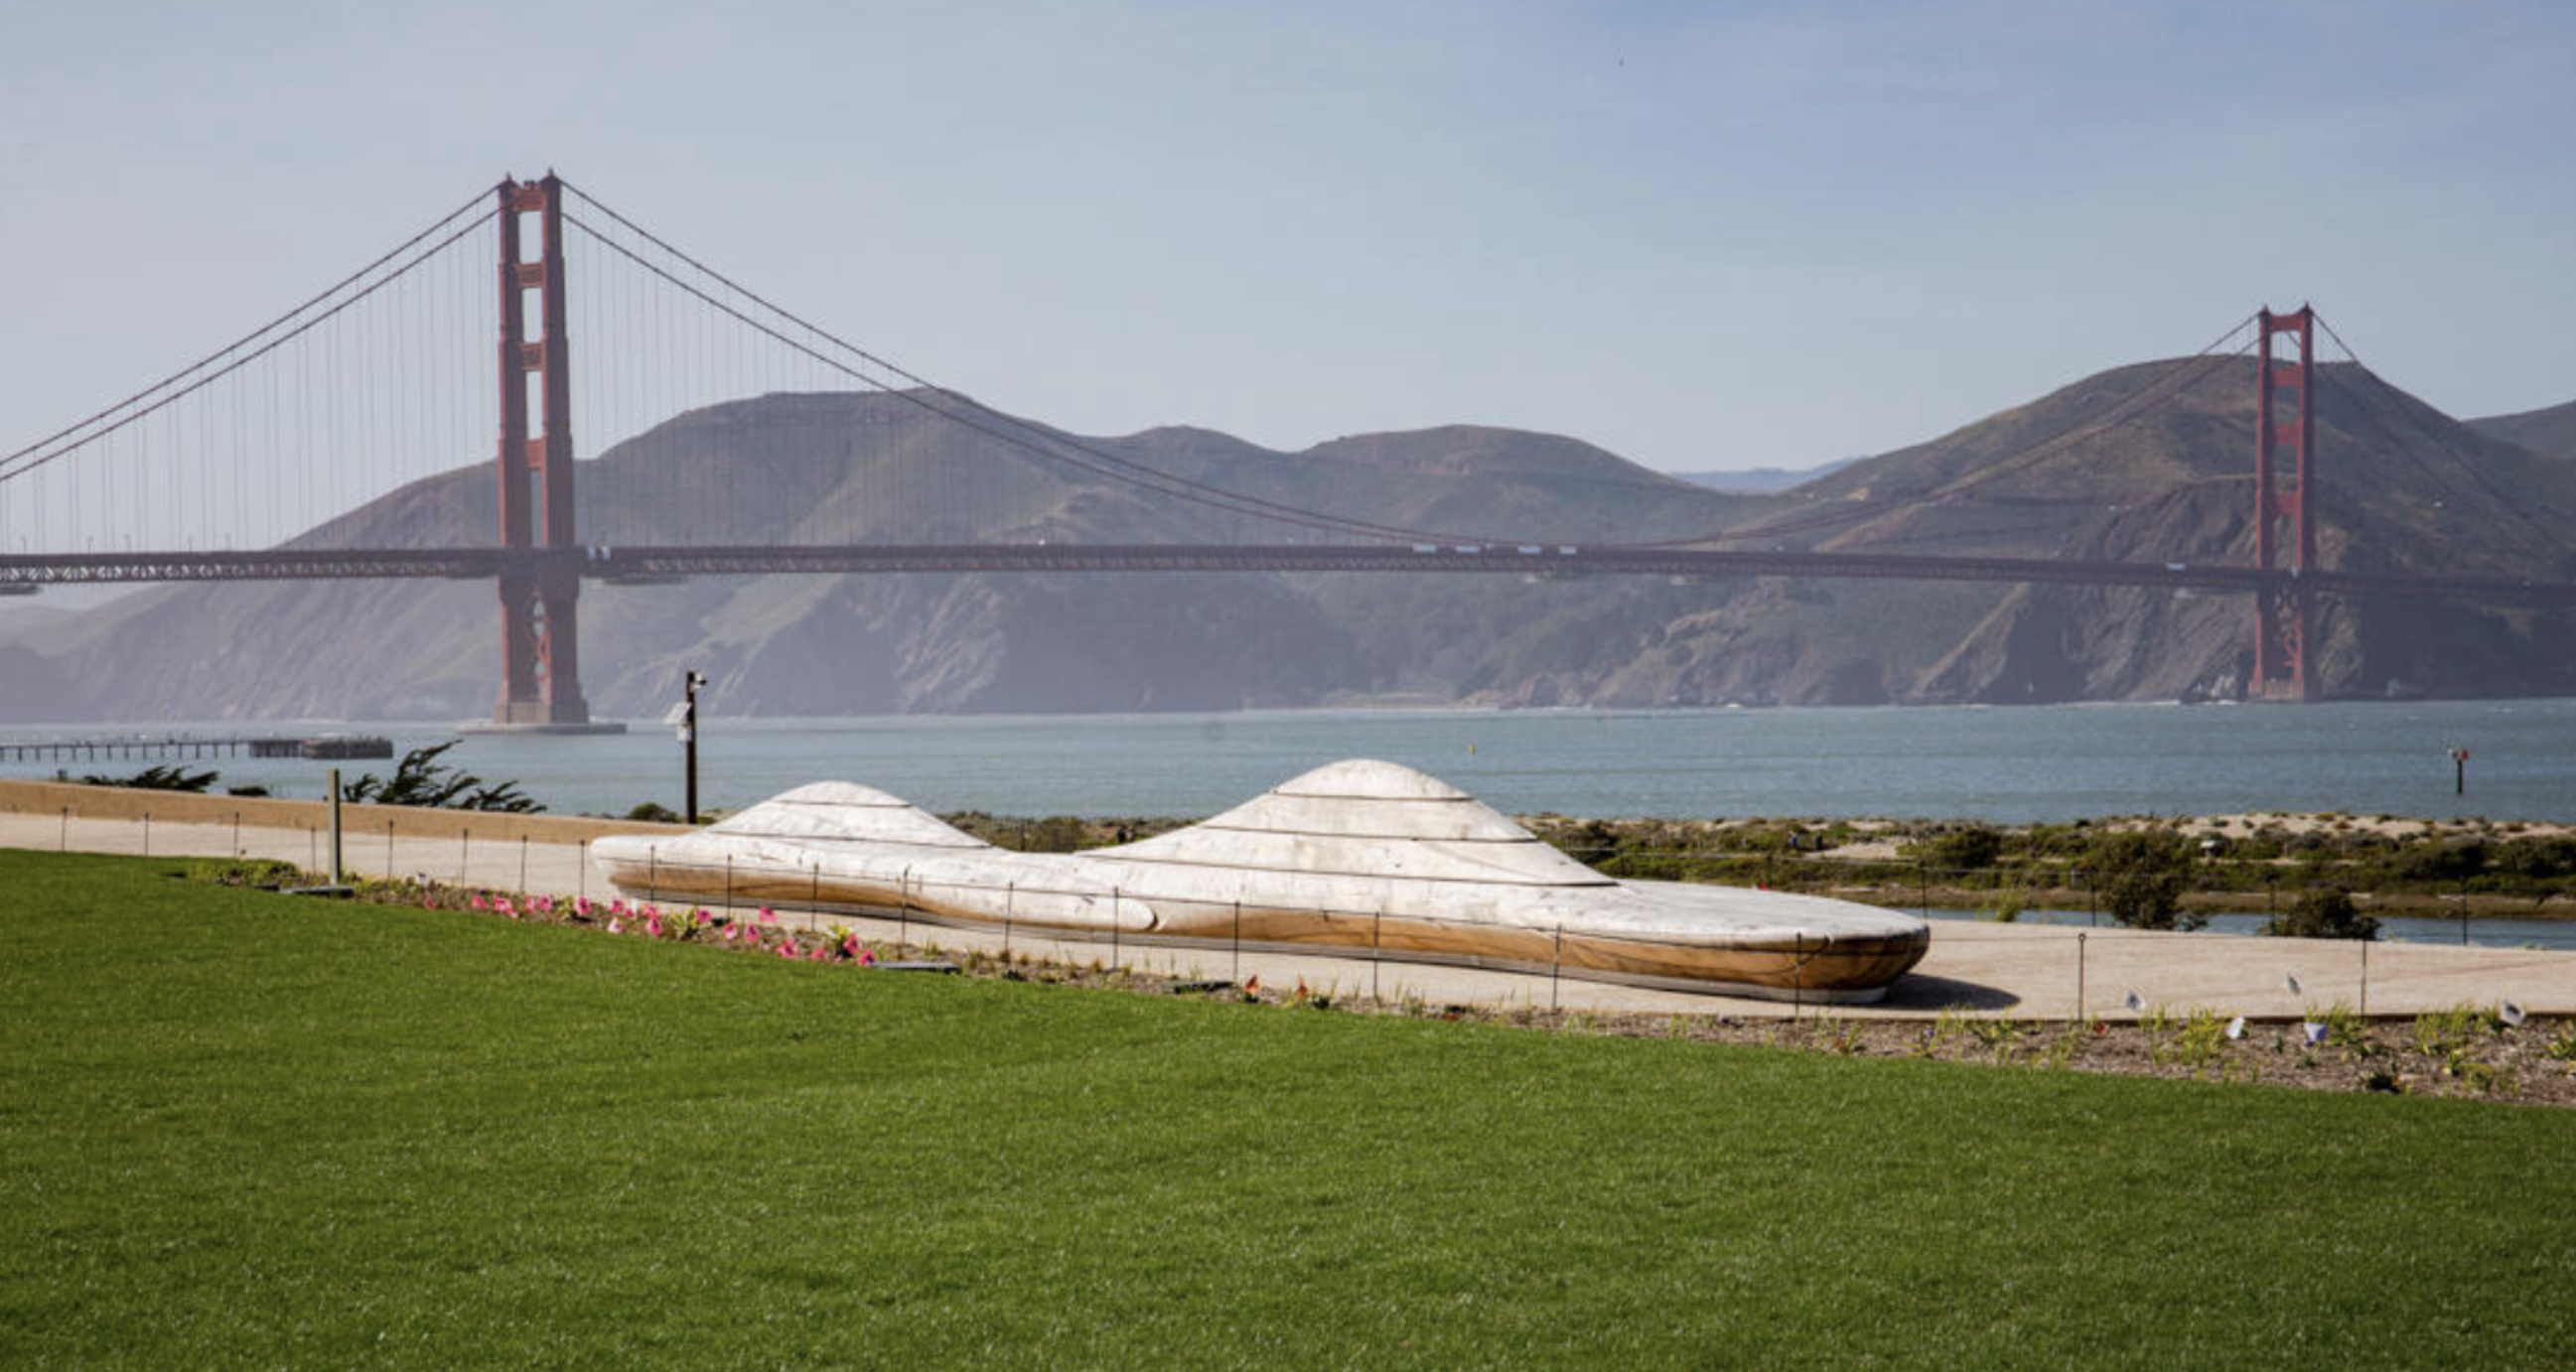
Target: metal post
[(1114, 955), (464, 856), (237, 848), (728, 899), (903, 909), (523, 864), (1377, 932), (67, 829), (1555, 969), (581, 882), (147, 852), (2464, 912), (1798, 976), (389, 850), (2080, 936), (1010, 899), (689, 741), (1238, 943), (2365, 977), (335, 826)]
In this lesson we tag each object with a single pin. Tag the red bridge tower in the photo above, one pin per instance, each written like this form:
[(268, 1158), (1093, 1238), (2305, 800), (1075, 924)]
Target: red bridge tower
[(2285, 492), (540, 634)]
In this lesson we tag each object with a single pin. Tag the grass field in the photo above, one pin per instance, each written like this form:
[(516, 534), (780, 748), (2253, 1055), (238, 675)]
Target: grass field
[(249, 1130)]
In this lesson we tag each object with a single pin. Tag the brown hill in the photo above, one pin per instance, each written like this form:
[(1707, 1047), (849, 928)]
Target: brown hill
[(2550, 432), (2401, 487)]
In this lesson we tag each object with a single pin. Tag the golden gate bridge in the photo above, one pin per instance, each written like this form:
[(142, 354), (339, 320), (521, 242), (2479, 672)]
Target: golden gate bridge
[(267, 461)]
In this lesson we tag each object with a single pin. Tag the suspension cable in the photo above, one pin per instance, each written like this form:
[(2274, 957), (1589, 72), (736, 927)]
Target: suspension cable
[(34, 456)]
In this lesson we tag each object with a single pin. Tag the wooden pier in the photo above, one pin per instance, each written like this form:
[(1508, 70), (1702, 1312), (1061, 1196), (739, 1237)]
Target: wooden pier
[(113, 747)]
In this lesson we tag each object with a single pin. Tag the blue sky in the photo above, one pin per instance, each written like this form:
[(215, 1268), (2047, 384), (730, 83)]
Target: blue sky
[(1702, 236)]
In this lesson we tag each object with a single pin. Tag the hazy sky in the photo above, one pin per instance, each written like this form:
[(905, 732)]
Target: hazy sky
[(1712, 235)]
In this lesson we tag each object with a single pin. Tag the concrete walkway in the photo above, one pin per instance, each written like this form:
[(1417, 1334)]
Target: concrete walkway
[(2025, 971)]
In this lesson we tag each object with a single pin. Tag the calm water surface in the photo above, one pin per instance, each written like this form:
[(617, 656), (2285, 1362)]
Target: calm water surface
[(2006, 765)]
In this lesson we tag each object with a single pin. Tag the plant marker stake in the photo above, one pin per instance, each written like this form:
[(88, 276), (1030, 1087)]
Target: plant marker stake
[(67, 829), (728, 883), (523, 862), (1377, 930), (147, 847), (1555, 969), (653, 874), (1798, 976), (389, 851), (814, 889), (1238, 943), (237, 848), (581, 879), (903, 908), (335, 826), (464, 855)]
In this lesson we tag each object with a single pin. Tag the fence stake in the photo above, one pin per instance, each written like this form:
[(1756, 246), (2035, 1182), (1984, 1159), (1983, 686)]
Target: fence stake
[(389, 851), (464, 855), (237, 848), (1555, 969), (1238, 943), (67, 829), (147, 852), (2079, 974), (523, 864), (1377, 931), (1798, 975), (581, 881)]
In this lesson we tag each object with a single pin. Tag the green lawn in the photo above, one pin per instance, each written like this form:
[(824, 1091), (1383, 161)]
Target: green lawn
[(250, 1130)]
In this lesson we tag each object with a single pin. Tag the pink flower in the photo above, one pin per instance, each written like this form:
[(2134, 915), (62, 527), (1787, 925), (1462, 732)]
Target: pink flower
[(505, 907), (614, 927), (818, 955), (479, 905), (768, 916), (653, 925), (617, 906), (787, 950), (867, 957)]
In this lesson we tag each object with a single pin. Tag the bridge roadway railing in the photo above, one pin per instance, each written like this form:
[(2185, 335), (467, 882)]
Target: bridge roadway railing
[(613, 563)]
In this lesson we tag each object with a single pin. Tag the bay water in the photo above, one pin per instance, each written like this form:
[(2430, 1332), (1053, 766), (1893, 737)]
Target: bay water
[(2008, 765)]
